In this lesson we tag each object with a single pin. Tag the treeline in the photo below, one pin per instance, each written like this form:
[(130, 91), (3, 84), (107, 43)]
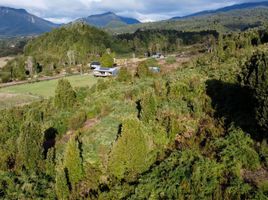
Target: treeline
[(165, 41), (79, 44), (232, 21), (12, 46)]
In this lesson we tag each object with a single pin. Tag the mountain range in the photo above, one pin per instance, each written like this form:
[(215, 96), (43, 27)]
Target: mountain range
[(108, 19), (226, 9), (18, 22)]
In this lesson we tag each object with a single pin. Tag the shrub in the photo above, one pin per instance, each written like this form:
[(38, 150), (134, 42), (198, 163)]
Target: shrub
[(254, 76), (124, 75), (236, 151), (143, 70), (65, 97), (131, 153), (30, 143), (107, 60), (73, 162), (148, 107), (77, 120)]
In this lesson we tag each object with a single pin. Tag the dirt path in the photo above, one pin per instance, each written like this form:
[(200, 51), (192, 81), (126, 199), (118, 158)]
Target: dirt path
[(87, 125)]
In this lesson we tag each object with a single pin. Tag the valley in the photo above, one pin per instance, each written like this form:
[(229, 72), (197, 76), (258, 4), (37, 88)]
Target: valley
[(111, 107)]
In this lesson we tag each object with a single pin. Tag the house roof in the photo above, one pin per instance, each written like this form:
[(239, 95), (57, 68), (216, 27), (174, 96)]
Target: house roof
[(102, 69)]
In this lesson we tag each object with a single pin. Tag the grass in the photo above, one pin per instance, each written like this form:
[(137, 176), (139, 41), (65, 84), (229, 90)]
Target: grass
[(46, 89), (10, 100)]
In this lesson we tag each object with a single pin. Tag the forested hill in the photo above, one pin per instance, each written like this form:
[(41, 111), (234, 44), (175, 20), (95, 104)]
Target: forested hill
[(234, 20), (77, 38), (108, 19), (16, 22), (78, 44), (242, 6)]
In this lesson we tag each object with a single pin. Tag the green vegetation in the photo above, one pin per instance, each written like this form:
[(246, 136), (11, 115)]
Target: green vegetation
[(236, 20), (192, 133), (107, 60), (46, 89), (79, 44), (65, 96)]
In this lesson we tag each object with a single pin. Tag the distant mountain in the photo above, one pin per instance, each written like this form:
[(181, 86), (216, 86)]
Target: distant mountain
[(18, 22), (226, 9), (108, 19)]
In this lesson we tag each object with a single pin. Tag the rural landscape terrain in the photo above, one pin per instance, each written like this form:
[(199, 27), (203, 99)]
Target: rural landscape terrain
[(112, 107)]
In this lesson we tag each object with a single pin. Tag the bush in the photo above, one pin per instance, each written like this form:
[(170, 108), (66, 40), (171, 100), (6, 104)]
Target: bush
[(107, 60), (143, 70), (254, 76), (131, 153), (65, 97), (124, 75), (170, 60), (77, 120), (236, 151)]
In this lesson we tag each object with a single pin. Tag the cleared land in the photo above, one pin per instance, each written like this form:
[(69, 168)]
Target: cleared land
[(23, 94)]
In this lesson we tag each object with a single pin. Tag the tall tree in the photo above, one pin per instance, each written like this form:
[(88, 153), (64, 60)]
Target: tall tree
[(30, 141), (73, 162), (65, 97), (255, 76), (61, 185)]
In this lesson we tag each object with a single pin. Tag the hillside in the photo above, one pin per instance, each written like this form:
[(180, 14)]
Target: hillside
[(227, 9), (108, 19), (234, 20), (17, 22), (196, 132)]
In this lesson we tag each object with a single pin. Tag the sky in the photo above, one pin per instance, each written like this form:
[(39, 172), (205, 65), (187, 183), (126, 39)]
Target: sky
[(63, 11)]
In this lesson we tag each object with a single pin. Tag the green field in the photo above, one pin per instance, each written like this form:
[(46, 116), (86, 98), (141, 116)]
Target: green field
[(47, 88), (23, 94)]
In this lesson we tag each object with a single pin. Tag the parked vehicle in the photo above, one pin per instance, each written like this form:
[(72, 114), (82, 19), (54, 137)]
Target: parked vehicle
[(95, 65)]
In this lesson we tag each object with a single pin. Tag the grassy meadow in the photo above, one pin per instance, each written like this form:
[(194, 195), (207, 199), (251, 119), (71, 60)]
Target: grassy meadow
[(26, 93)]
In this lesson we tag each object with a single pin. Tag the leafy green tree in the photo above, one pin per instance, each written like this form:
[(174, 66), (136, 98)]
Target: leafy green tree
[(131, 154), (124, 75), (73, 162), (143, 70), (148, 107), (65, 97), (61, 185), (30, 143), (107, 60), (254, 76)]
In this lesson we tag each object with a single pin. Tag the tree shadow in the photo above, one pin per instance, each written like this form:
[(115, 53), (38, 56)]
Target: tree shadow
[(235, 104), (49, 140)]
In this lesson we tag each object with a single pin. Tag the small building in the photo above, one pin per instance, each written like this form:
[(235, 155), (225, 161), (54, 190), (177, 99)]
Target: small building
[(105, 72)]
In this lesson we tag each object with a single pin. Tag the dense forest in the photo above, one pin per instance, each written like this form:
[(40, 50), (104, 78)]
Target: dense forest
[(232, 21), (12, 46), (79, 44), (199, 132)]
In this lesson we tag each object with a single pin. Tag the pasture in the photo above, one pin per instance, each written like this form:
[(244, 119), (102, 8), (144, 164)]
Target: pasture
[(26, 93)]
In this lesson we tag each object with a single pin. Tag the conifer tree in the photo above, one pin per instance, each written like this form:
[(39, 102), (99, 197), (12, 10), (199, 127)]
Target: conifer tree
[(130, 154), (65, 97), (107, 60), (30, 143), (61, 185), (73, 162), (255, 76)]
